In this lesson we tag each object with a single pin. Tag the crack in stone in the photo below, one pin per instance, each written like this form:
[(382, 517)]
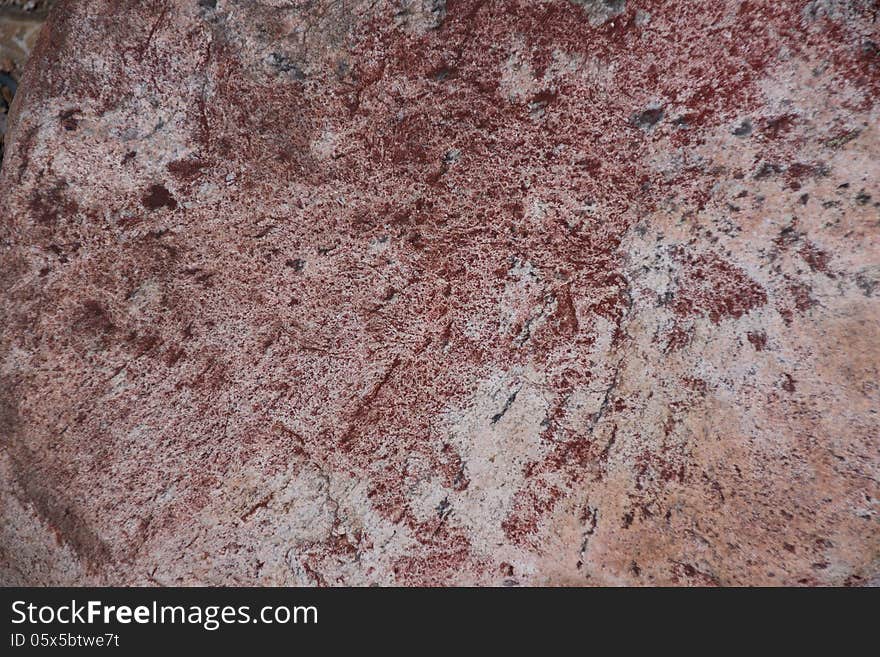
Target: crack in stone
[(507, 405)]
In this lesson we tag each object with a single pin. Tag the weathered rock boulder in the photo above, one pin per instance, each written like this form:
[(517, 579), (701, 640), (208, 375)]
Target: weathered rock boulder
[(424, 292)]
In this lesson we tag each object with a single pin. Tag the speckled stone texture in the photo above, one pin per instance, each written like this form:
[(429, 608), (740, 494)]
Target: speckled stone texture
[(425, 292)]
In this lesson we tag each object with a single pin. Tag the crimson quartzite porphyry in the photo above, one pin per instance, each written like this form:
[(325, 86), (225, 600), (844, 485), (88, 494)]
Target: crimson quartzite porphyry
[(422, 292)]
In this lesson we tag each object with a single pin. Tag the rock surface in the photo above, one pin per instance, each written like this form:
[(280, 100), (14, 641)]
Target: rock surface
[(426, 292)]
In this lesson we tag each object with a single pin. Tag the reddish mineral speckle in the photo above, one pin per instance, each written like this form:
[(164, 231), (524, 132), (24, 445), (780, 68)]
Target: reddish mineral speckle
[(421, 292)]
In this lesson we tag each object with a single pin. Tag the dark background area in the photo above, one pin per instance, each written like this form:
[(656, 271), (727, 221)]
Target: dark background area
[(20, 22)]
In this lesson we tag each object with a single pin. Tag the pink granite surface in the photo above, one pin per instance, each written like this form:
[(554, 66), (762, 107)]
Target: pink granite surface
[(422, 292)]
